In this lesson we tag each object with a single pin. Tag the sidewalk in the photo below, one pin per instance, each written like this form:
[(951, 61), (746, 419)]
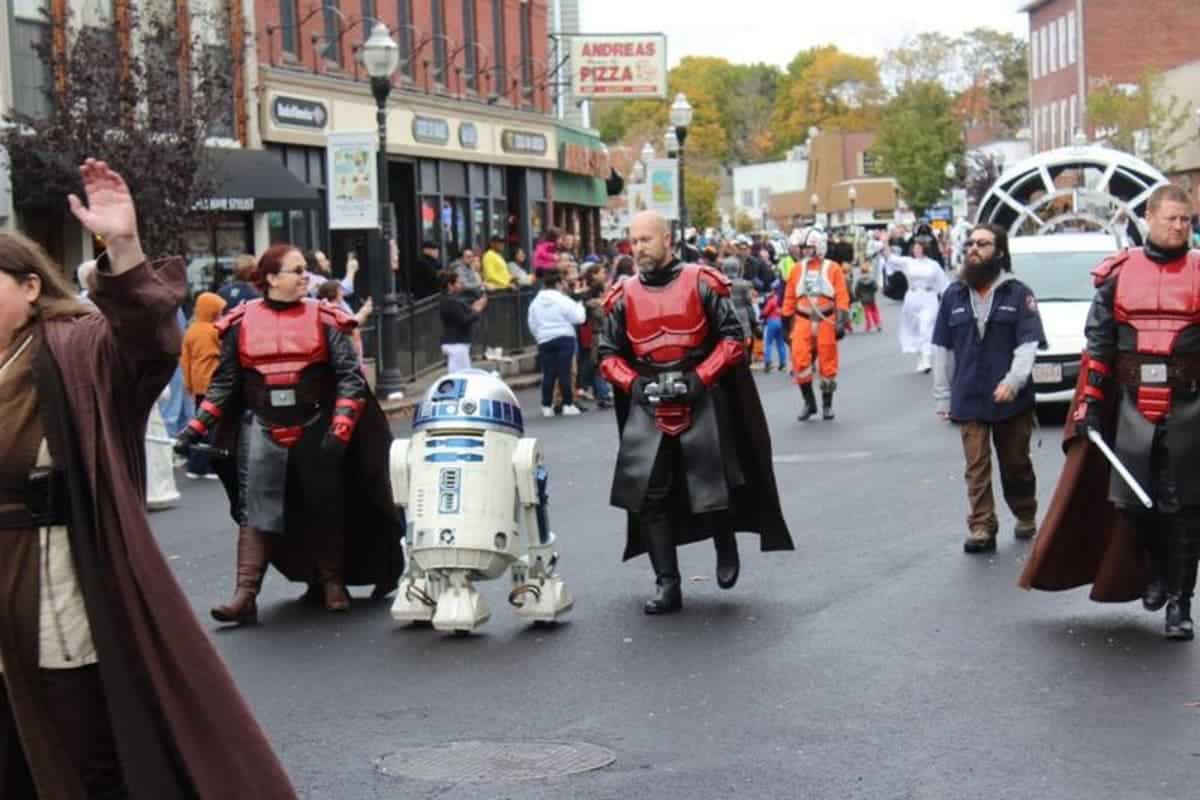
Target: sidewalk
[(518, 371)]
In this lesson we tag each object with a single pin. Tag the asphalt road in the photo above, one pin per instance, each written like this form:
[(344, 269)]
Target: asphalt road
[(876, 661)]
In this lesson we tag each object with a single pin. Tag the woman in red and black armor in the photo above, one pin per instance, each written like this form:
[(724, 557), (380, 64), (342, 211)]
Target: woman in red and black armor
[(287, 398)]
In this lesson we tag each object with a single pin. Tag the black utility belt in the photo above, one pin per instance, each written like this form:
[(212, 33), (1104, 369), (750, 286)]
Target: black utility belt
[(46, 500)]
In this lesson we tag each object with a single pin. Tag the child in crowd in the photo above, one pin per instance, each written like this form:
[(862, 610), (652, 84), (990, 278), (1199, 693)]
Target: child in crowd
[(865, 289)]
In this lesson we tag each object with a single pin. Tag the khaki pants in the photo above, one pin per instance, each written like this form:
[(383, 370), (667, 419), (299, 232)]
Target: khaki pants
[(1011, 439)]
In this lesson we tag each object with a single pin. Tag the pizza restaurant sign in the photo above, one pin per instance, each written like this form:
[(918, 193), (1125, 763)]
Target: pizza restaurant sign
[(583, 160), (619, 65)]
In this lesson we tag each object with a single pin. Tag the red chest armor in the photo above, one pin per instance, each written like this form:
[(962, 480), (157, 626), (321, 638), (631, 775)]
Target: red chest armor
[(1158, 300), (665, 323), (280, 344)]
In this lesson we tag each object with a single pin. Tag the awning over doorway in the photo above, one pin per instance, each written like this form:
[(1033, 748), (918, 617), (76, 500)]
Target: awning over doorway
[(255, 180)]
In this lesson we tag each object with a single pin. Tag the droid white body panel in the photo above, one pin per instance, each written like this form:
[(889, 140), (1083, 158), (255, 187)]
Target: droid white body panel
[(474, 494)]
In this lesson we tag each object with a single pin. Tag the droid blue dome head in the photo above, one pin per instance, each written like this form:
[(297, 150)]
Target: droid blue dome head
[(469, 400)]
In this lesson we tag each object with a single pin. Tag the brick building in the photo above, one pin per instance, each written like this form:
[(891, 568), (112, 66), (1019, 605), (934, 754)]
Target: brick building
[(472, 147), (1075, 44)]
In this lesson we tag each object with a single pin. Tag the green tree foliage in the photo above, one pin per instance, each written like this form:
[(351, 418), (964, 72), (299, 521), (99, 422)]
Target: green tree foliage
[(702, 200), (918, 135), (1138, 119), (744, 223), (998, 63), (929, 57)]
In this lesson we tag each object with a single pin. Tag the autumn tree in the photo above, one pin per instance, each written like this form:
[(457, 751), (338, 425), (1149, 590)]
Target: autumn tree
[(996, 63), (826, 88), (929, 57), (918, 135), (1139, 119), (136, 111), (702, 200)]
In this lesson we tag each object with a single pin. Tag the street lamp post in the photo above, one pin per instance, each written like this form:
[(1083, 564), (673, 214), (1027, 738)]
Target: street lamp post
[(381, 56), (671, 145), (853, 196), (815, 199), (681, 118)]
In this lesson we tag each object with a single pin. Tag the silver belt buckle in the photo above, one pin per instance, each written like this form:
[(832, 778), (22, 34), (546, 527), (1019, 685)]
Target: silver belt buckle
[(283, 398), (1154, 373)]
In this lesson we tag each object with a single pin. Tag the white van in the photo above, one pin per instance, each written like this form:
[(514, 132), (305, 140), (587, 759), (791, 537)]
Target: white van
[(1058, 269)]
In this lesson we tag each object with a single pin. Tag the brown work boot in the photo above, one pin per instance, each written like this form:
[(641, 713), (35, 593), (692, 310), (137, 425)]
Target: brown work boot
[(980, 541), (1025, 529), (329, 573), (252, 555)]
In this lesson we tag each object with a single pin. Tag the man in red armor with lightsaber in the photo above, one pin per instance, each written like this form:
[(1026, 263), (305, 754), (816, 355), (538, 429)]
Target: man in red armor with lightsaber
[(1139, 389), (695, 454)]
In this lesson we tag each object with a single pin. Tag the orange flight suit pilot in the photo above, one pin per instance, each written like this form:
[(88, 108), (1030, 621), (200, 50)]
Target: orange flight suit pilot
[(816, 304)]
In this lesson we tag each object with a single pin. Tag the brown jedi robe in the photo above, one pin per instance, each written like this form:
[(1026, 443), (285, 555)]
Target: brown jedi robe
[(182, 729), (1083, 539)]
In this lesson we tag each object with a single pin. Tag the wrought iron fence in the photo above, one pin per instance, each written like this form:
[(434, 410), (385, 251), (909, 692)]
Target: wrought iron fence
[(503, 325)]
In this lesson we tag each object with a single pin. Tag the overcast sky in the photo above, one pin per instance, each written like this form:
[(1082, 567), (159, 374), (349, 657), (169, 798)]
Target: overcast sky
[(772, 31)]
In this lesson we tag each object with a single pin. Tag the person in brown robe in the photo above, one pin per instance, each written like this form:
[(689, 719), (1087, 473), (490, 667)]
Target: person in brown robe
[(110, 688)]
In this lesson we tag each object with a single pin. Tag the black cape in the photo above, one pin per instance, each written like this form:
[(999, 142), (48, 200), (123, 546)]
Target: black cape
[(754, 505), (372, 523)]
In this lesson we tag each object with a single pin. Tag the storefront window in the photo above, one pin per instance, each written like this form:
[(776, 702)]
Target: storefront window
[(429, 220), (455, 226), (499, 217), (537, 219), (211, 244), (479, 227)]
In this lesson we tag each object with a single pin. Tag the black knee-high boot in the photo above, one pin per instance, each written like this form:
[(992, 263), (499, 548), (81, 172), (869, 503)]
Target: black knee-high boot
[(660, 545), (1154, 541), (1181, 578), (729, 565), (810, 401)]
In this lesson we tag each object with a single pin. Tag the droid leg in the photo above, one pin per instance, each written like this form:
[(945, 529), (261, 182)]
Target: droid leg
[(460, 607), (416, 597), (538, 595)]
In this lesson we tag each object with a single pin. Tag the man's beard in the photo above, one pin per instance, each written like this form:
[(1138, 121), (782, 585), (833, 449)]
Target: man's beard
[(650, 264), (980, 274)]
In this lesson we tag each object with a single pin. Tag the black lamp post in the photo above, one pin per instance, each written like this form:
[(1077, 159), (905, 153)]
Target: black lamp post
[(381, 57), (681, 118)]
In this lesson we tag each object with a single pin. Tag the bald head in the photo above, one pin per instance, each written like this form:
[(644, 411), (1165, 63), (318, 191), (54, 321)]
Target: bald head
[(650, 236)]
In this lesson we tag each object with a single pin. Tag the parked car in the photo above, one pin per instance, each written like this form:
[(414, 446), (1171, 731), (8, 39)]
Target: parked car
[(1058, 269)]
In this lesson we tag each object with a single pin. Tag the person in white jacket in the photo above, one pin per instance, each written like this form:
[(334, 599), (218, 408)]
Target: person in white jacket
[(926, 282), (552, 320)]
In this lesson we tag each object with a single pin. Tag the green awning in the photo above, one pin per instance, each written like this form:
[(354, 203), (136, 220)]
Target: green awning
[(579, 190)]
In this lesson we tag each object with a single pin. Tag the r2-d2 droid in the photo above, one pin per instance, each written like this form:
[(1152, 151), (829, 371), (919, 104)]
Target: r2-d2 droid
[(474, 493)]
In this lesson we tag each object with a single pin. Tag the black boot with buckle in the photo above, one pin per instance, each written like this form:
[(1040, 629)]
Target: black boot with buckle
[(660, 546), (810, 402)]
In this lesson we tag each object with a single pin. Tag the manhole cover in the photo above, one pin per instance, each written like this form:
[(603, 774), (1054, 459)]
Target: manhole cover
[(495, 761)]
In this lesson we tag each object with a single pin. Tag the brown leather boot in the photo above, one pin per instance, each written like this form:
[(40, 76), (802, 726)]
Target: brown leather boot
[(252, 556), (329, 573)]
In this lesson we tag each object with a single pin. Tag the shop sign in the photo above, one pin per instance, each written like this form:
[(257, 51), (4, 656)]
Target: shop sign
[(583, 160), (430, 130), (619, 65), (523, 142), (468, 135), (226, 204), (353, 185), (299, 113)]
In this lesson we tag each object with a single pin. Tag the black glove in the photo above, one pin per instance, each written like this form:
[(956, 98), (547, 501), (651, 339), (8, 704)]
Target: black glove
[(333, 448), (843, 323), (187, 437), (1089, 420), (695, 390), (637, 391)]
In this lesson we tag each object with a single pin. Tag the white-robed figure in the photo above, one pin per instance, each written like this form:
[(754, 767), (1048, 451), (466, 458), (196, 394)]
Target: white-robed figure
[(926, 282)]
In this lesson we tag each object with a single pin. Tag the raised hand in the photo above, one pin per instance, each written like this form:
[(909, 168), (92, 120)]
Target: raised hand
[(109, 213)]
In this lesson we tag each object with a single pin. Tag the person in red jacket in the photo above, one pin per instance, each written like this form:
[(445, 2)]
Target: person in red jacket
[(774, 338)]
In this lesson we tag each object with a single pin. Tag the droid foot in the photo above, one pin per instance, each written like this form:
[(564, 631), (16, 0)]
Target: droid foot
[(668, 600), (542, 601), (413, 602), (460, 608)]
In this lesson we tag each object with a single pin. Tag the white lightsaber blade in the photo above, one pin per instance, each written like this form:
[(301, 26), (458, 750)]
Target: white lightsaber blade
[(1125, 474)]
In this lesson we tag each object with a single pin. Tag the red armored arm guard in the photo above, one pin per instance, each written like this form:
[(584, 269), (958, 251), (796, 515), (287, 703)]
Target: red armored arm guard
[(728, 353), (206, 417), (724, 356), (618, 372), (346, 413)]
